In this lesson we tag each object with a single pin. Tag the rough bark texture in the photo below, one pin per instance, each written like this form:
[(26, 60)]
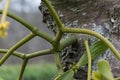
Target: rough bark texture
[(102, 16)]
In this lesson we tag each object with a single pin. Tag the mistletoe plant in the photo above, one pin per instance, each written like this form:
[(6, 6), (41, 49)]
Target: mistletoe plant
[(58, 44)]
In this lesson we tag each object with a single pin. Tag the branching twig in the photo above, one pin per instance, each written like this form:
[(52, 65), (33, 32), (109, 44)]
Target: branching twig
[(16, 46), (17, 54), (56, 41), (32, 28), (39, 53)]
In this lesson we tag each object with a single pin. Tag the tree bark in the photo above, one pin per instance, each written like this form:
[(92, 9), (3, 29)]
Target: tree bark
[(102, 16)]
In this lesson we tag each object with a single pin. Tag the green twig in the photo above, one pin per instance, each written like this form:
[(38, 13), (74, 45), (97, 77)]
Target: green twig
[(58, 38), (89, 59), (58, 63), (23, 68), (54, 14), (93, 33), (64, 43), (39, 53), (17, 54), (32, 28), (58, 22), (68, 41), (16, 46)]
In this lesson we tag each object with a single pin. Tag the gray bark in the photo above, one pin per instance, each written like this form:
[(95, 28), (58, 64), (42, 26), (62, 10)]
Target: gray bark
[(102, 16)]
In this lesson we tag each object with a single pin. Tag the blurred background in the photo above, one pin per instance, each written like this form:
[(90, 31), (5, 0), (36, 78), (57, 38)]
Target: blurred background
[(27, 9)]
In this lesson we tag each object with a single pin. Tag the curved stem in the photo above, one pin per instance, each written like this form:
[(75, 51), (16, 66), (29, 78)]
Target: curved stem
[(57, 61), (58, 22), (89, 59), (17, 54), (16, 46), (20, 20), (32, 28), (93, 33), (56, 40), (68, 41), (39, 53), (23, 68), (54, 14)]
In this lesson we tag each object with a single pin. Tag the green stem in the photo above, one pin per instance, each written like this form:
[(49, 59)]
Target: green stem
[(58, 22), (56, 43), (32, 28), (44, 35), (39, 53), (23, 68), (17, 54), (68, 41), (58, 36), (20, 20), (89, 59), (57, 61), (93, 33), (54, 14), (16, 46)]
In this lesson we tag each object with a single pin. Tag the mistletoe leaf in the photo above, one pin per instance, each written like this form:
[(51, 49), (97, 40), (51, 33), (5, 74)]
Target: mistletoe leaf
[(96, 49), (96, 75), (68, 75), (105, 70)]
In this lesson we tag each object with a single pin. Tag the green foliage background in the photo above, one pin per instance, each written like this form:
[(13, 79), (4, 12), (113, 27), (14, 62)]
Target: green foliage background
[(41, 71)]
